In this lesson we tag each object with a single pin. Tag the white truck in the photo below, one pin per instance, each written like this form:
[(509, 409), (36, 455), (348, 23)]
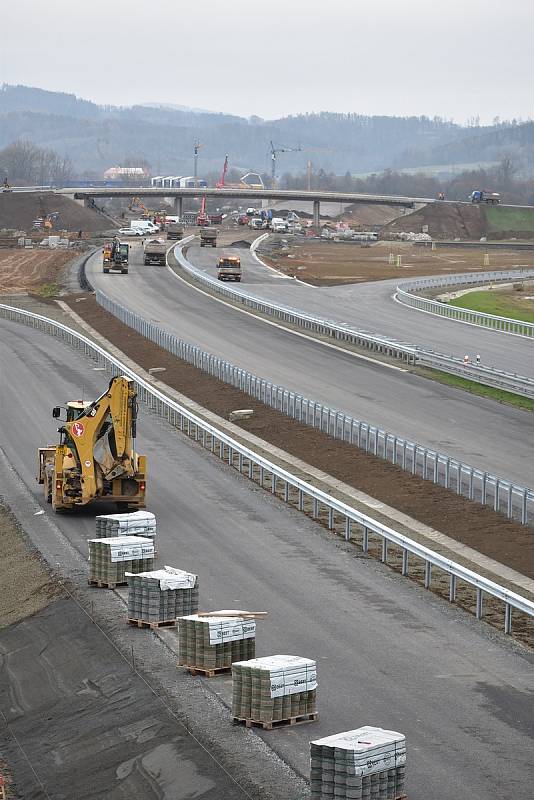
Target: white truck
[(279, 225), (144, 225)]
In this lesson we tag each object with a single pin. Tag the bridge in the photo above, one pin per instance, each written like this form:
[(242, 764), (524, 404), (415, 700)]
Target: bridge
[(315, 197)]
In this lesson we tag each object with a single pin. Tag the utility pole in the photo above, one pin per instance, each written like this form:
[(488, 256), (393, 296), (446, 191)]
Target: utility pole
[(195, 160)]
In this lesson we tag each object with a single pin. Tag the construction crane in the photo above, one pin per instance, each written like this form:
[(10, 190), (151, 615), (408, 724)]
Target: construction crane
[(274, 151), (220, 183), (254, 182), (202, 218)]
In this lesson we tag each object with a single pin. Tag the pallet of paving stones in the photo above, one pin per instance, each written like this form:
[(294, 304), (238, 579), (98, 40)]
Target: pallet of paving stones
[(209, 644), (111, 558), (276, 723), (161, 596)]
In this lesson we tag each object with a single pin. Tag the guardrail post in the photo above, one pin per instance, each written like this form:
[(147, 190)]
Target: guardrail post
[(405, 562), (524, 507), (496, 499), (384, 557), (428, 574), (479, 603), (347, 528), (330, 519), (507, 618), (301, 500), (484, 495), (452, 588), (315, 509), (365, 539), (286, 492), (510, 510), (273, 484)]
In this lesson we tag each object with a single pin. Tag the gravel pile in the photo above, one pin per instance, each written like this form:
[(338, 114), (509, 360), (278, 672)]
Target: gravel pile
[(162, 595), (365, 764), (274, 688)]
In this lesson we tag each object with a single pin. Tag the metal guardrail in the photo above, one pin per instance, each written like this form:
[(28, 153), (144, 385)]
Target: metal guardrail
[(517, 502), (405, 294), (290, 488), (409, 353)]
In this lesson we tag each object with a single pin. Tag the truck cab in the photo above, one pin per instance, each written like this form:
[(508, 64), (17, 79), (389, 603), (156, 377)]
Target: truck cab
[(229, 268)]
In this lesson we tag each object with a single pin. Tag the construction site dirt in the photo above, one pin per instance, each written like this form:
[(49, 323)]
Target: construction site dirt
[(32, 270), (18, 210), (327, 263), (506, 541)]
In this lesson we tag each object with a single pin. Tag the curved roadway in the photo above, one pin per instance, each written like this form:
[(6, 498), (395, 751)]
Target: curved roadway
[(474, 430), (388, 653), (370, 307)]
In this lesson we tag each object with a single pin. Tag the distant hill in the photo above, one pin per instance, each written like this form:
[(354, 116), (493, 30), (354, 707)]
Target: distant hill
[(96, 137)]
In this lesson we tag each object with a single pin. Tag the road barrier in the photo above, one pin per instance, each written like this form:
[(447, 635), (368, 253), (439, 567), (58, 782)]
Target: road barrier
[(408, 294), (489, 376), (357, 527), (479, 485)]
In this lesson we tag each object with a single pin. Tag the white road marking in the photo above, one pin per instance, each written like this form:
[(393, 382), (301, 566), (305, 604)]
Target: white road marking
[(286, 330)]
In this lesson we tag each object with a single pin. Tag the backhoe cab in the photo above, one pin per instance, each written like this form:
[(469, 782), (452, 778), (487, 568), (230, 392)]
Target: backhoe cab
[(95, 458)]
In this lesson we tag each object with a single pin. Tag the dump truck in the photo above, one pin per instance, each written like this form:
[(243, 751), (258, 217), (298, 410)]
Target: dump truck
[(229, 268), (208, 236), (115, 256), (175, 231), (95, 459), (481, 196), (155, 252)]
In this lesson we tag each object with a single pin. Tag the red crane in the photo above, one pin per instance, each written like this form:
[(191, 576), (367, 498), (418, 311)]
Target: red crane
[(220, 183), (203, 218)]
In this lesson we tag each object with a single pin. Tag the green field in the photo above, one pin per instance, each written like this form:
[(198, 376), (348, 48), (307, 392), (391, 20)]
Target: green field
[(501, 219), (500, 303)]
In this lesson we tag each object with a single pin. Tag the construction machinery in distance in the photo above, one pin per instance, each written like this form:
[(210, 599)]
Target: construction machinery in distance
[(229, 268), (274, 153), (115, 256), (251, 180), (95, 459), (202, 218)]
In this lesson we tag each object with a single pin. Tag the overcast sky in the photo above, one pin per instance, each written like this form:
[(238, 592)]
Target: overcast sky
[(452, 58)]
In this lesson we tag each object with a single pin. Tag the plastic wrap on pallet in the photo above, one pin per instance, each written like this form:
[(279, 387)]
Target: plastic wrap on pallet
[(136, 523), (366, 762), (161, 595), (274, 688), (111, 558), (215, 642)]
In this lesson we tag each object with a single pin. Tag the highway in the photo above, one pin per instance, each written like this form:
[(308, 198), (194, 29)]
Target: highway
[(388, 653), (472, 429), (370, 307)]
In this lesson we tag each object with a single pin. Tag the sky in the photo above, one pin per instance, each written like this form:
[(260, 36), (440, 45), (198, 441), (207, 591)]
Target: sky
[(457, 59)]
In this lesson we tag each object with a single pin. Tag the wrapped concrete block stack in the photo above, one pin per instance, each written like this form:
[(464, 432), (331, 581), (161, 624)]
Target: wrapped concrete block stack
[(274, 688), (161, 595), (110, 559), (216, 642), (365, 764), (138, 523)]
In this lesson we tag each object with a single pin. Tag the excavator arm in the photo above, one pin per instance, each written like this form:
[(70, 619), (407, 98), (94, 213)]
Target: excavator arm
[(100, 439)]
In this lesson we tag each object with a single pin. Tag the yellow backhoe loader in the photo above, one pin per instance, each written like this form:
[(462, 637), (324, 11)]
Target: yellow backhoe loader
[(95, 459)]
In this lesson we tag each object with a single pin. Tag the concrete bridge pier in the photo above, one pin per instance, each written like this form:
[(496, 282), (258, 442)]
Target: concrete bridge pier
[(178, 206), (316, 215)]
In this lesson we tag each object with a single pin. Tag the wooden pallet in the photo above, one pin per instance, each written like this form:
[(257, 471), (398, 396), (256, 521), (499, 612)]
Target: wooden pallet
[(206, 673), (105, 584), (276, 723), (143, 623)]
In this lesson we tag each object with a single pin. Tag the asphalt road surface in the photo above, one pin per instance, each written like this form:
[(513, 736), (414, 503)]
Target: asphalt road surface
[(370, 307), (388, 653), (474, 430)]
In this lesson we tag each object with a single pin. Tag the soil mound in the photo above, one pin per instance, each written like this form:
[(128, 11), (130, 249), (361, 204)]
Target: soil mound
[(19, 209), (444, 221)]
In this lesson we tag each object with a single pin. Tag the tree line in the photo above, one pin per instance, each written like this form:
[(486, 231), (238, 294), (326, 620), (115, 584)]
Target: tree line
[(22, 162)]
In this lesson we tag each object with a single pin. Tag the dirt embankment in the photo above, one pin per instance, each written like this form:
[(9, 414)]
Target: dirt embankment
[(26, 585), (489, 533), (444, 221), (19, 209), (327, 263), (27, 270)]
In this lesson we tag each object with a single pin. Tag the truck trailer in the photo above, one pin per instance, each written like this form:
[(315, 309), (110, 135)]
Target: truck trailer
[(481, 196), (155, 252)]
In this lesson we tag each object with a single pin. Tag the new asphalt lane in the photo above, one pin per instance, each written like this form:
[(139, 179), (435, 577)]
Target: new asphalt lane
[(474, 430), (388, 653)]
